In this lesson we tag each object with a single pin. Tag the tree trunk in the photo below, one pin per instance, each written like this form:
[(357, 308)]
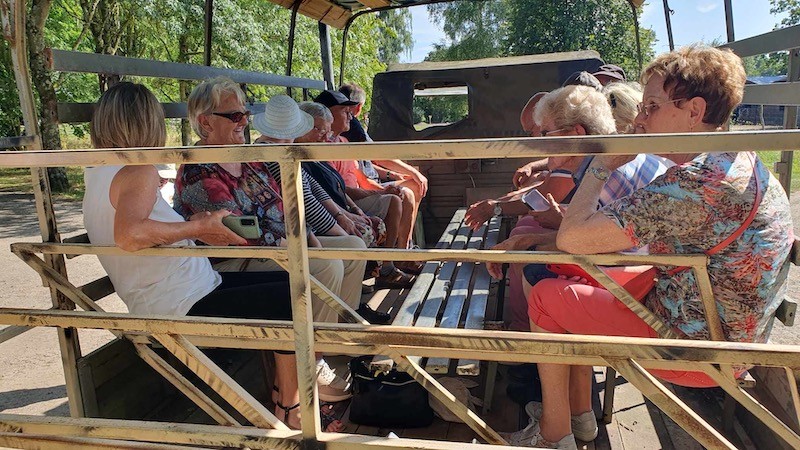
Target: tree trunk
[(43, 83), (183, 85)]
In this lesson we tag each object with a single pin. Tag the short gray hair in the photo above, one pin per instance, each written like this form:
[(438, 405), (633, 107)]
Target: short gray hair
[(206, 97), (315, 109), (573, 105), (624, 99)]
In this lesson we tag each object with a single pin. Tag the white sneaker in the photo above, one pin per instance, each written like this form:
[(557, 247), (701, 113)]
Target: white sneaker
[(584, 426), (530, 436), (332, 388)]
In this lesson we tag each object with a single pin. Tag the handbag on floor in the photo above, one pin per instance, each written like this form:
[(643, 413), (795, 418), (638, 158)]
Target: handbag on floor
[(387, 400)]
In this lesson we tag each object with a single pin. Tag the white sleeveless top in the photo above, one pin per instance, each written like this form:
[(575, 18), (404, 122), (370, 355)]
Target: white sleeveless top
[(147, 284)]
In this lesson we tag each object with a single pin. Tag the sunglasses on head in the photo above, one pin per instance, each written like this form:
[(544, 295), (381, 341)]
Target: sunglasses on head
[(235, 117)]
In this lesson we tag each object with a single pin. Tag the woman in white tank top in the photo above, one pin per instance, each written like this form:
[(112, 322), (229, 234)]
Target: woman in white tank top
[(123, 207)]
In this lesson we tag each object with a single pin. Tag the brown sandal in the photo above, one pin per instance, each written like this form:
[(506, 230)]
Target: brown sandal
[(410, 267), (396, 279)]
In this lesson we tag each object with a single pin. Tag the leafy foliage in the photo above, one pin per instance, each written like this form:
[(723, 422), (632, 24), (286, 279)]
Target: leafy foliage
[(786, 6), (248, 34), (491, 28)]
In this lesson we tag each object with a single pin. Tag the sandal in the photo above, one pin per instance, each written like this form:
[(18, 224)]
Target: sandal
[(410, 267), (396, 279), (326, 417)]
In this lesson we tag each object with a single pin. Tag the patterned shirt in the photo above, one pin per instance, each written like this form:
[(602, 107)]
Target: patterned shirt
[(692, 208), (209, 187), (633, 175)]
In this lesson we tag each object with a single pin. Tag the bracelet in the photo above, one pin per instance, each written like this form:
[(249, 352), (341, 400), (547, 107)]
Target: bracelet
[(338, 213)]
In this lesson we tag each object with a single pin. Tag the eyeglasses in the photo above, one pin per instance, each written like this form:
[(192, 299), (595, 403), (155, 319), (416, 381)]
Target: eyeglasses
[(648, 109), (546, 133), (234, 117)]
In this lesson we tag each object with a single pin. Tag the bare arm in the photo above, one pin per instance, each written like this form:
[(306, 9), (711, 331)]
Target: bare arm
[(525, 172), (133, 194), (402, 168), (583, 223)]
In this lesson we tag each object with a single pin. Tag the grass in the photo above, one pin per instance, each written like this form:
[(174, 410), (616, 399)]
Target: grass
[(771, 157), (19, 180)]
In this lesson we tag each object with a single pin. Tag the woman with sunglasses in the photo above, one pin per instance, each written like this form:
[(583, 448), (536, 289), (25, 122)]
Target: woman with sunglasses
[(218, 115), (726, 205)]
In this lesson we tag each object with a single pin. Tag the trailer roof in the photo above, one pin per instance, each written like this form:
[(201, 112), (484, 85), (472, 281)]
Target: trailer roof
[(337, 13)]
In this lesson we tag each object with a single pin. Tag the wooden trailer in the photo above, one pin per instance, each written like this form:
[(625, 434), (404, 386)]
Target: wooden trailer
[(171, 345)]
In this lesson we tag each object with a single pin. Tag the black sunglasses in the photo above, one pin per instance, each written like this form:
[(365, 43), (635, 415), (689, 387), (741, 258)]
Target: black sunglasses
[(234, 117)]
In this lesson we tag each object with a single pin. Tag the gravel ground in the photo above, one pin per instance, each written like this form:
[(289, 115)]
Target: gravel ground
[(31, 379)]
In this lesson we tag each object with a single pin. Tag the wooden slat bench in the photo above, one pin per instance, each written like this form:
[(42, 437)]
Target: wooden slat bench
[(450, 295)]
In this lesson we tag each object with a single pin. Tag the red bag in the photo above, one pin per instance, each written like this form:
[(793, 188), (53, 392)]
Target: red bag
[(637, 280)]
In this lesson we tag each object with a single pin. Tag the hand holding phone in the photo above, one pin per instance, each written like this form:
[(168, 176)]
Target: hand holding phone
[(245, 226), (536, 201)]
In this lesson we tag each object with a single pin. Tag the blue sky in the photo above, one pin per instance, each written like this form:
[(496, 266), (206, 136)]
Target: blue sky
[(692, 21)]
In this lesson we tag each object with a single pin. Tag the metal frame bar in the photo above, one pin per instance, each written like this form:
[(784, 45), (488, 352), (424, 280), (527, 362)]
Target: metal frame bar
[(69, 61)]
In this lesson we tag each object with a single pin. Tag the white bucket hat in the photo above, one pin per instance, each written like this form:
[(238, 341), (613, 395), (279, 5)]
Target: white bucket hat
[(283, 119)]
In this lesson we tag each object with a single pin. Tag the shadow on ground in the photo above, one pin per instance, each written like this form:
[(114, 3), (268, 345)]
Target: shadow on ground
[(25, 397), (18, 216)]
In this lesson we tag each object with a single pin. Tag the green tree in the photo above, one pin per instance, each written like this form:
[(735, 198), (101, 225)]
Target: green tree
[(521, 27), (792, 7), (539, 26), (10, 115), (397, 37), (473, 29)]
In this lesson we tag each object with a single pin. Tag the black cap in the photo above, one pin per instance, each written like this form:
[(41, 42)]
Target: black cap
[(583, 79), (612, 71), (334, 98)]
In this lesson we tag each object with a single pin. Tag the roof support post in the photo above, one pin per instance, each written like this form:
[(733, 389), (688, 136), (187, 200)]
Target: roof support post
[(784, 166), (327, 57), (292, 30), (729, 20), (667, 13), (638, 37), (345, 33), (208, 30)]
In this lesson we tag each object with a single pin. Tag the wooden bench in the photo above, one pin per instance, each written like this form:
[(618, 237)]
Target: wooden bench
[(451, 295)]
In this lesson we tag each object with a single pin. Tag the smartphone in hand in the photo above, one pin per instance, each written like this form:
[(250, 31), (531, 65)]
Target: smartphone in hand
[(536, 201), (245, 226)]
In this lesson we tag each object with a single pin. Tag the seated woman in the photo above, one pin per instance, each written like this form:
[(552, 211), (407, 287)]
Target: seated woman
[(690, 209), (123, 207), (389, 276), (574, 110), (281, 123), (218, 116)]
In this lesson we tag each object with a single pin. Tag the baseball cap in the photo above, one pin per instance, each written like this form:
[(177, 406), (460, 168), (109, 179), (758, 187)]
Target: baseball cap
[(334, 98), (611, 70)]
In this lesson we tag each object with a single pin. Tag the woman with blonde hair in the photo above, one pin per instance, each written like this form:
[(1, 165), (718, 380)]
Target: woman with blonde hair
[(624, 99), (122, 206)]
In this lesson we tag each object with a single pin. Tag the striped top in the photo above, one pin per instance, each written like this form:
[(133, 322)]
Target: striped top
[(317, 217)]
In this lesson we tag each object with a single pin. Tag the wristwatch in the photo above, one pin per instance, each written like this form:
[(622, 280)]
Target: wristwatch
[(498, 210), (601, 173)]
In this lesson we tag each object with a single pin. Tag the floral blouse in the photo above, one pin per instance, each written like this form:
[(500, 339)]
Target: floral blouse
[(209, 187), (692, 208)]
